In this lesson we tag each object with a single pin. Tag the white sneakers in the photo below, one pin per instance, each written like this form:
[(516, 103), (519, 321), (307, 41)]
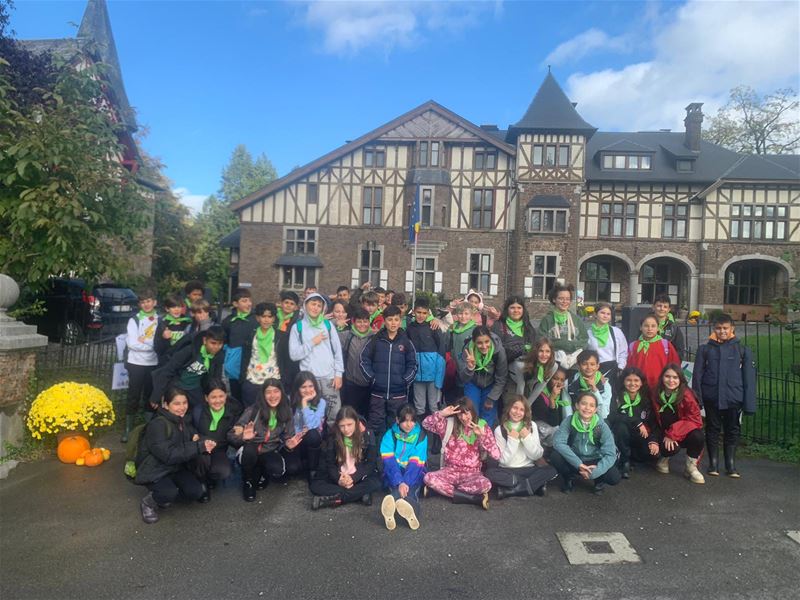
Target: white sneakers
[(388, 507)]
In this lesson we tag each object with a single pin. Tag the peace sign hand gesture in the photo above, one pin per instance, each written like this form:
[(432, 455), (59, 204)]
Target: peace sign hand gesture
[(470, 359)]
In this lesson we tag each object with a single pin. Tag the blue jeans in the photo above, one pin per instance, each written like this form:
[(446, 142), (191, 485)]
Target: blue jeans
[(412, 498), (480, 397)]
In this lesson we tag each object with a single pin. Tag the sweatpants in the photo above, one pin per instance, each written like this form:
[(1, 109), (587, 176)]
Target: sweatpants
[(567, 471), (215, 466), (412, 497), (509, 477), (487, 409), (304, 456), (728, 421), (426, 397), (270, 464), (368, 485), (629, 442), (382, 411), (445, 481), (357, 396), (182, 482), (140, 387), (334, 402), (694, 443)]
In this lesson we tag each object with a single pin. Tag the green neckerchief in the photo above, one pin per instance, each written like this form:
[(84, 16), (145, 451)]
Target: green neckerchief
[(459, 328), (264, 341), (540, 373), (515, 326), (629, 404), (578, 425), (170, 320), (481, 360), (188, 303), (146, 315), (601, 333), (374, 315), (404, 323), (273, 420), (429, 318), (560, 317), (341, 327), (667, 320), (206, 357), (348, 443), (282, 316), (668, 402), (316, 321), (644, 345), (411, 438), (357, 333), (470, 439), (240, 316), (511, 426), (584, 385), (216, 415)]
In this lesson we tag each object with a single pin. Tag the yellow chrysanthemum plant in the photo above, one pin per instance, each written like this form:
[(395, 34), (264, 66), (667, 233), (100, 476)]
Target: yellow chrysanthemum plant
[(69, 406)]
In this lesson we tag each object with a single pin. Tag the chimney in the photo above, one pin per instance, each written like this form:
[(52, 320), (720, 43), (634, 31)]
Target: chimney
[(694, 124)]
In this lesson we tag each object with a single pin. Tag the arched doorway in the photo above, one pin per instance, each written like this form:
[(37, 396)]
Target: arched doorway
[(605, 278), (664, 275), (751, 286)]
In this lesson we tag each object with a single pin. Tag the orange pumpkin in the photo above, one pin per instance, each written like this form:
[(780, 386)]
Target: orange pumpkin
[(71, 448), (92, 458)]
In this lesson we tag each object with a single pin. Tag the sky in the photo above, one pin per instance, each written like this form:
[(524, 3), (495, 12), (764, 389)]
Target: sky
[(295, 80)]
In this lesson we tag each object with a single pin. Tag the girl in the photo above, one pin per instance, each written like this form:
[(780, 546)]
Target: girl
[(484, 372), (584, 445), (552, 405), (219, 415), (404, 450), (515, 331), (339, 316), (166, 451), (309, 421), (563, 327), (265, 434), (349, 469), (260, 356), (518, 441), (675, 423), (628, 416), (609, 342), (464, 439), (540, 366), (651, 353)]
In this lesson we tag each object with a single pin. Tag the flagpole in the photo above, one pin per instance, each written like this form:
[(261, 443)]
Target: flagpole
[(414, 270)]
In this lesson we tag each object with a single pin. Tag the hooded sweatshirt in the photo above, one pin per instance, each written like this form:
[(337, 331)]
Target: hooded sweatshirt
[(325, 359), (404, 455)]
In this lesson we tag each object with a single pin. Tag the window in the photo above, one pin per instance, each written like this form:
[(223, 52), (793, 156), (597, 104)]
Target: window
[(626, 161), (545, 267), (547, 220), (743, 283), (369, 266), (597, 281), (426, 216), (426, 273), (482, 209), (373, 204), (759, 222), (675, 219), (563, 156), (298, 278), (551, 155), (684, 166), (618, 219), (434, 154), (422, 155), (480, 270), (485, 160), (301, 241), (656, 279), (374, 158), (538, 153), (312, 193)]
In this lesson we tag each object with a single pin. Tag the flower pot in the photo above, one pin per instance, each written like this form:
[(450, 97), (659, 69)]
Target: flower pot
[(71, 446)]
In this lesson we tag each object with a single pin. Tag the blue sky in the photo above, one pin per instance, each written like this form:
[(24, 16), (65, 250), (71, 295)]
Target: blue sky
[(295, 80)]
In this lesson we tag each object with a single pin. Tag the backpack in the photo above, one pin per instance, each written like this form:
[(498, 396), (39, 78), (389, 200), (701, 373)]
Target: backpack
[(299, 325), (135, 451)]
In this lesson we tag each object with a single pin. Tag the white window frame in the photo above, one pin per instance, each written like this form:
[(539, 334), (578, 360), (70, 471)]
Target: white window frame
[(481, 272), (286, 230), (371, 247), (544, 276), (417, 272), (306, 283), (555, 212), (430, 221)]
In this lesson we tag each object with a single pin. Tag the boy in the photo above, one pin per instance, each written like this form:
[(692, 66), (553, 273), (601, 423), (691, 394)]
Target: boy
[(399, 300), (464, 322), (259, 355), (343, 294), (431, 347), (370, 301), (314, 344), (239, 328), (667, 328), (286, 318), (724, 381), (389, 362), (356, 388), (201, 317), (589, 379), (142, 358), (381, 297), (193, 291), (171, 328)]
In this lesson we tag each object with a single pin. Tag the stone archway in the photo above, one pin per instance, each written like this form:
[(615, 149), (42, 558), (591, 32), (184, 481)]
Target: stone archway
[(609, 276), (752, 283), (668, 273)]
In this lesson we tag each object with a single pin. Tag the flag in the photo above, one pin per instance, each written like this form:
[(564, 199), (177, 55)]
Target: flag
[(414, 222)]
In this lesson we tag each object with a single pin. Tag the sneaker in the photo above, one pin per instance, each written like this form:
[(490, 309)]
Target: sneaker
[(388, 508), (249, 491), (405, 510), (662, 466), (262, 483)]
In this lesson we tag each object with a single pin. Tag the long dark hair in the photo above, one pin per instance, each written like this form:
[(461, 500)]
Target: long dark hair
[(463, 404), (526, 420), (348, 412), (516, 300), (644, 391), (682, 385), (283, 411), (301, 378), (531, 359), (481, 330)]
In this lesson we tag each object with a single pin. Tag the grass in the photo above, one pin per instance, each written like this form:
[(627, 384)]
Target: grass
[(775, 350), (790, 454)]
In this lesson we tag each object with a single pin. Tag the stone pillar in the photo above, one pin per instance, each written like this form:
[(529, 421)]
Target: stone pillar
[(633, 284), (18, 344), (694, 287)]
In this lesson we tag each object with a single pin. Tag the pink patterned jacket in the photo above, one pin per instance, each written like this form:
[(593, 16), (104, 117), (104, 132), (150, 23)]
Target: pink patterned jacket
[(459, 454)]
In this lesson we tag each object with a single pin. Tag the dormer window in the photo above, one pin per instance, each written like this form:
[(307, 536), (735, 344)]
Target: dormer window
[(551, 155), (684, 166), (633, 162)]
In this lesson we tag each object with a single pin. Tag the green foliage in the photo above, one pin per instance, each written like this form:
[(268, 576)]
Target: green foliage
[(242, 176), (28, 309), (790, 453), (434, 300)]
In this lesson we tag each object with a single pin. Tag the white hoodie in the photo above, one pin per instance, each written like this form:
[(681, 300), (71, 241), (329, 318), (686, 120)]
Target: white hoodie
[(142, 353)]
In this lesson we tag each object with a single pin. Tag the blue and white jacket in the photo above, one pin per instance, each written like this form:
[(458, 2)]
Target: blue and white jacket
[(431, 347), (404, 456)]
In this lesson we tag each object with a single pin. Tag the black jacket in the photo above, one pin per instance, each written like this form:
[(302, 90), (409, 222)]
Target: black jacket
[(288, 368), (672, 333), (165, 446), (513, 345), (185, 363), (368, 465), (265, 440), (239, 333), (725, 375), (233, 411)]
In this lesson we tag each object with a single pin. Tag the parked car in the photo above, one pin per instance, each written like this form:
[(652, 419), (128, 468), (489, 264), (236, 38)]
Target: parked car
[(72, 314), (116, 304)]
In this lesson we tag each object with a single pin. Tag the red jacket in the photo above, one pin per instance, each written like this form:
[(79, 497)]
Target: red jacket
[(652, 362), (689, 419)]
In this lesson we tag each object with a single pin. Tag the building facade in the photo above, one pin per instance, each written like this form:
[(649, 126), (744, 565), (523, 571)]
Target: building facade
[(623, 216)]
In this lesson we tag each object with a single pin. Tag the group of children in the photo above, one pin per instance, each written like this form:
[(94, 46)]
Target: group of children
[(324, 385)]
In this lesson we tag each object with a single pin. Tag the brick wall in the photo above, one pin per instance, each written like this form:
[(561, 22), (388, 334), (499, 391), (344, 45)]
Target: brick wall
[(16, 370)]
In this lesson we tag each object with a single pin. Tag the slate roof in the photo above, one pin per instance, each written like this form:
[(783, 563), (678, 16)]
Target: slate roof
[(545, 201), (232, 240), (754, 166)]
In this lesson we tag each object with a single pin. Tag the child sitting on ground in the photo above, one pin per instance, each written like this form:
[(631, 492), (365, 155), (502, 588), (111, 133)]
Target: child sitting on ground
[(552, 406)]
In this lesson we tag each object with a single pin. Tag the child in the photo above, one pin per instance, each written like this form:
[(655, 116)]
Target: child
[(460, 333), (239, 328), (286, 318), (201, 319), (515, 331), (404, 450), (343, 294), (628, 416), (667, 328), (356, 388), (398, 299), (564, 328), (430, 345), (724, 381), (309, 422), (218, 416), (349, 469), (315, 346), (552, 406), (488, 314), (651, 353), (518, 440), (166, 451), (584, 445), (464, 439), (338, 316), (540, 366), (171, 328), (142, 359), (264, 435), (609, 342), (389, 362), (484, 373), (193, 291), (260, 354), (675, 423), (371, 302), (590, 379)]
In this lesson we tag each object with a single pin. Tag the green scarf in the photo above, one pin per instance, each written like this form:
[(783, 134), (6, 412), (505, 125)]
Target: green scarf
[(429, 318), (481, 360), (540, 373), (170, 320), (667, 320), (357, 333), (511, 426), (240, 316), (374, 315), (628, 404), (316, 321), (601, 333), (283, 317), (459, 328), (341, 327), (668, 402), (578, 425), (264, 342), (216, 415), (348, 443), (584, 385), (273, 420), (470, 439), (204, 354), (560, 317), (146, 315), (408, 439), (515, 327), (644, 345)]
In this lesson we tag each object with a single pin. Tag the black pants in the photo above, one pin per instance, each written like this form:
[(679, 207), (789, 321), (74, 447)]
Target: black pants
[(629, 442), (269, 464), (383, 411), (236, 389), (182, 482), (610, 369), (566, 470), (140, 387), (304, 456), (693, 443), (357, 396), (323, 487), (250, 393), (507, 477), (214, 466), (728, 421)]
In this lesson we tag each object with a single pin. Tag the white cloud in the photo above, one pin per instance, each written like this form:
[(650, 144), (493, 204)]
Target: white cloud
[(194, 202), (590, 41), (698, 53)]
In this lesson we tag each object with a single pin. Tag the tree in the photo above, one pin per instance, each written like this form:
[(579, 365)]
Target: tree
[(755, 124), (242, 176)]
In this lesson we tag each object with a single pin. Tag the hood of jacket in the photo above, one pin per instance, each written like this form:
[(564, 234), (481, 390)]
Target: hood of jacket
[(317, 296)]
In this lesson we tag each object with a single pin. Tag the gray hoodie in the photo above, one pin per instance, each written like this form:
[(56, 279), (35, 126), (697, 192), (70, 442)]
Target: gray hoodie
[(325, 359)]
